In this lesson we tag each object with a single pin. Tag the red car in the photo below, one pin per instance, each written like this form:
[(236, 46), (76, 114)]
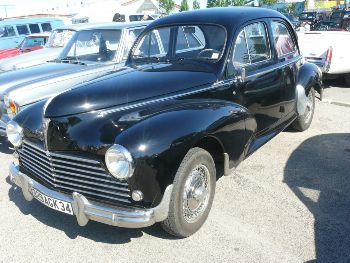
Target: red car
[(29, 43)]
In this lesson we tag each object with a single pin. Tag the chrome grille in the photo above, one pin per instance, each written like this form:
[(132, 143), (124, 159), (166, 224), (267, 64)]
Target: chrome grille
[(72, 174)]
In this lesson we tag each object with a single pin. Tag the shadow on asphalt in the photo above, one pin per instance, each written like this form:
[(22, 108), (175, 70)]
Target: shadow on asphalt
[(4, 145), (318, 172), (95, 231), (338, 82)]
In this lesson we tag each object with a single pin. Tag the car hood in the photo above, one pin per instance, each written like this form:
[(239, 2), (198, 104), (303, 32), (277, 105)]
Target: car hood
[(30, 59), (32, 74), (129, 85)]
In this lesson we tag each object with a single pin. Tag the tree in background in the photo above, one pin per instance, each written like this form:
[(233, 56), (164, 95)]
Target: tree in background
[(268, 2), (184, 6), (224, 3), (166, 6), (195, 4)]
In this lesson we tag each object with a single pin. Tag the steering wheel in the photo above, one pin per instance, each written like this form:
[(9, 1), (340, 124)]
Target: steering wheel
[(207, 53)]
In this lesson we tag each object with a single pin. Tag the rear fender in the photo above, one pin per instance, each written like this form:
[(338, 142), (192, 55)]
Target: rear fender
[(310, 76)]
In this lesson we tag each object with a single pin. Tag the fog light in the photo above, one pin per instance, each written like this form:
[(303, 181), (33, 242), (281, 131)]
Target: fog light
[(14, 133), (137, 195)]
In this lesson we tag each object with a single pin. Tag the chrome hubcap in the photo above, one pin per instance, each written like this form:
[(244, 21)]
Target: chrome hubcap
[(309, 107), (196, 193)]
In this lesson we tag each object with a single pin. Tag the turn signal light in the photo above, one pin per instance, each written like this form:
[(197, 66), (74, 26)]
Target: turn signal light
[(13, 107)]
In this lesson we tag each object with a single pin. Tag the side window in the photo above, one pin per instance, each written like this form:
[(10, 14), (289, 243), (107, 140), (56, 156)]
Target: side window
[(22, 30), (34, 28), (284, 43), (131, 37), (251, 45), (7, 31), (46, 27), (148, 46), (257, 42)]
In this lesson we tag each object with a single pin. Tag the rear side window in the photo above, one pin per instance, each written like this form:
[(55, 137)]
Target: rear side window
[(46, 27), (22, 30), (252, 45), (7, 31), (34, 28), (284, 43)]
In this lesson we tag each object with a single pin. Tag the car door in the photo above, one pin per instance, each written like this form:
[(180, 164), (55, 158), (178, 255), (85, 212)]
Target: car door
[(259, 88), (288, 57)]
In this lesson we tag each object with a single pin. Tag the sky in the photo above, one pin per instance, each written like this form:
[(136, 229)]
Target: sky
[(16, 7)]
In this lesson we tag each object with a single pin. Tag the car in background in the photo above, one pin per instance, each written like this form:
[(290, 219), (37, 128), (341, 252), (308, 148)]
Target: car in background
[(147, 143), (95, 50), (295, 22), (13, 31), (327, 50), (334, 21), (30, 43)]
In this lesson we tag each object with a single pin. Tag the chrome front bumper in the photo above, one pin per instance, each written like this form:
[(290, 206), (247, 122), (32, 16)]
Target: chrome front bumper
[(86, 210)]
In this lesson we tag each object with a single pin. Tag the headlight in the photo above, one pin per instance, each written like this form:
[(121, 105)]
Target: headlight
[(14, 133), (119, 162)]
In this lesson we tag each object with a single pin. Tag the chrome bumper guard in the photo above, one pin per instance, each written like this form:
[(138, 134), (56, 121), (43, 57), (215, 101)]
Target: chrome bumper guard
[(86, 210)]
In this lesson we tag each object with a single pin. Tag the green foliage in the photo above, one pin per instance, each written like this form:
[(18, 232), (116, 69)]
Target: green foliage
[(268, 2), (184, 6), (224, 3), (195, 4), (166, 6)]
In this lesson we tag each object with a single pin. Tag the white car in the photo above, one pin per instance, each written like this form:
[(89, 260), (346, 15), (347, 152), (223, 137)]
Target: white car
[(329, 50)]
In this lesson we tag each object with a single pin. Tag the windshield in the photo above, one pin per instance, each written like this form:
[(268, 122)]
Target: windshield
[(33, 42), (98, 45), (59, 38), (192, 42)]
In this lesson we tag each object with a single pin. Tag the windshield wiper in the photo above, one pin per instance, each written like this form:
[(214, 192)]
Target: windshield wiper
[(70, 59)]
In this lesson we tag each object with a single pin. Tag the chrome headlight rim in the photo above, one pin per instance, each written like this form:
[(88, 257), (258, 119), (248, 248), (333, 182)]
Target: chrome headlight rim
[(123, 157), (14, 133)]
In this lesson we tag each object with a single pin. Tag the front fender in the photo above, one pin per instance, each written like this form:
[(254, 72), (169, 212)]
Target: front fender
[(159, 143)]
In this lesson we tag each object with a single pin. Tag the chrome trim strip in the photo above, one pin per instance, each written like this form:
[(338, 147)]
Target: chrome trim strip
[(85, 210)]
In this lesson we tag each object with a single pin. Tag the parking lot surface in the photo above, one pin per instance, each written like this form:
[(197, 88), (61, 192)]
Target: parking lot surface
[(288, 202)]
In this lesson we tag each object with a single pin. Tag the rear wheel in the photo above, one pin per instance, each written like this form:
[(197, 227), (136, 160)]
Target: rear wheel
[(303, 122), (192, 195)]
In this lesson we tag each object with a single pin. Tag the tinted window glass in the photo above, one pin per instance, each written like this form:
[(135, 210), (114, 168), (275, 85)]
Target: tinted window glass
[(257, 42), (284, 43), (7, 31), (131, 37), (240, 53), (148, 46), (33, 42), (34, 28), (22, 30), (46, 27), (188, 37)]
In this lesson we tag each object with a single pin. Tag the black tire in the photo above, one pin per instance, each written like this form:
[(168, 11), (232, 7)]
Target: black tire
[(176, 224), (303, 122)]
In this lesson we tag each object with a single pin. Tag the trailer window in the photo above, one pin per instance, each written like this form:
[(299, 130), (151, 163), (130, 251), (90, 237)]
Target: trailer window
[(34, 28)]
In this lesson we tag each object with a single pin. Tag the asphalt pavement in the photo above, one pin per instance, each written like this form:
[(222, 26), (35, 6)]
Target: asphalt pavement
[(288, 202)]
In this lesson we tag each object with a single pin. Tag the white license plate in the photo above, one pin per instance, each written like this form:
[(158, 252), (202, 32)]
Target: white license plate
[(53, 203)]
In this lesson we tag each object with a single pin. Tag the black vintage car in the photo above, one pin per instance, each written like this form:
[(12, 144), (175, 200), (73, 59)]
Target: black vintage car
[(200, 92)]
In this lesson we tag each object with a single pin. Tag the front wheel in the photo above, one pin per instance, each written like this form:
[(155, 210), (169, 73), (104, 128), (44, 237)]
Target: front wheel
[(303, 122), (192, 195)]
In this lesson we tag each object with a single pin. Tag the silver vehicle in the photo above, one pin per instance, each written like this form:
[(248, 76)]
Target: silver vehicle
[(57, 40), (94, 51)]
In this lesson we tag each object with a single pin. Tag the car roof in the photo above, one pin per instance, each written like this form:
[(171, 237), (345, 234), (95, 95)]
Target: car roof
[(225, 16), (109, 25)]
